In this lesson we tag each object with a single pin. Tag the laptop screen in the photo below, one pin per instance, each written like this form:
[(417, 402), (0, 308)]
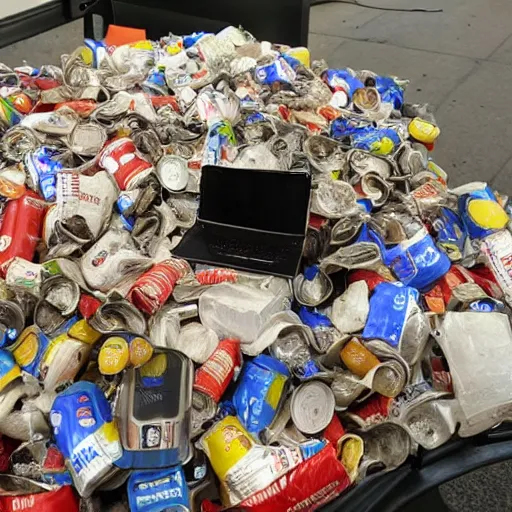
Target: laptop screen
[(275, 201)]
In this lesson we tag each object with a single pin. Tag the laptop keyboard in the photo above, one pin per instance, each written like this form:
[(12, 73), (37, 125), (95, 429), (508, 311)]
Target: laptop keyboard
[(246, 247)]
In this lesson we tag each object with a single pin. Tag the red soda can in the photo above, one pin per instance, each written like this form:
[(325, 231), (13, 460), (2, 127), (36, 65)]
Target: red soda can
[(211, 276), (152, 289), (214, 376), (371, 277), (163, 101), (21, 228), (121, 159), (61, 499), (334, 431), (88, 305), (83, 108)]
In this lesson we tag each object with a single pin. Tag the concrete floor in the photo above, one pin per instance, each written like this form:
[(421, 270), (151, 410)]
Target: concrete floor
[(460, 61)]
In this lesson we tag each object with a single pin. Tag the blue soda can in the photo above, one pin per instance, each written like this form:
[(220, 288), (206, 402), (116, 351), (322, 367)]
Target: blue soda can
[(257, 397), (29, 349), (323, 329), (390, 91), (311, 448), (155, 82), (488, 305), (278, 71), (86, 435), (451, 233), (381, 141), (417, 262), (390, 306), (155, 491), (192, 39), (342, 79), (220, 139), (480, 211), (343, 127), (43, 167), (98, 51)]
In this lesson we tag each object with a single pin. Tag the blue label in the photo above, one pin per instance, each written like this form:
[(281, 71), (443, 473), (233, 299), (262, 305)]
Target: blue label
[(250, 398), (157, 491), (473, 229), (390, 91), (389, 307), (78, 412), (451, 233), (419, 264)]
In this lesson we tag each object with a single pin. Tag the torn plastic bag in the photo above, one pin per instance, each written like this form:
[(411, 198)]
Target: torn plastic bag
[(486, 344)]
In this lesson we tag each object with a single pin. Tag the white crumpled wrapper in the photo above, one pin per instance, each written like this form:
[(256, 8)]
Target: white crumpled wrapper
[(350, 310), (239, 311)]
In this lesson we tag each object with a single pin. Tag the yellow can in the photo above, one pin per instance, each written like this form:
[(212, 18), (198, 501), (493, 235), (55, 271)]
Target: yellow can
[(226, 443), (350, 452), (141, 352), (301, 54), (82, 331), (114, 356), (423, 131)]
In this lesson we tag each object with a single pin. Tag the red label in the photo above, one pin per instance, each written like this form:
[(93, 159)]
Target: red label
[(214, 376)]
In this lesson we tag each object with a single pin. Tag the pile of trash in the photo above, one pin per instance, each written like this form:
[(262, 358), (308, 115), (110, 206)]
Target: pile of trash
[(131, 379)]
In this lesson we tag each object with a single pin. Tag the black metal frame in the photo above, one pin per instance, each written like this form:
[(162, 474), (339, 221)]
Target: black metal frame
[(284, 21), (391, 491)]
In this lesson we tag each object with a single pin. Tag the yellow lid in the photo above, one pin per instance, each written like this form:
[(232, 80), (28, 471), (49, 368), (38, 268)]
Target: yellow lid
[(423, 130), (141, 352), (487, 214), (114, 356)]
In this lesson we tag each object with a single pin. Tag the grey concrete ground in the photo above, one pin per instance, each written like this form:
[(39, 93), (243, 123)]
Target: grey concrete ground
[(460, 61)]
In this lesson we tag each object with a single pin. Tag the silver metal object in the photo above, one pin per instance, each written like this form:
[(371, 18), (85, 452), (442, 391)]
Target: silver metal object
[(312, 407)]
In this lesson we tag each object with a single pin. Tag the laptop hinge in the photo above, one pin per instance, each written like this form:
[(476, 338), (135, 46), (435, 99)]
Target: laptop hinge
[(79, 8)]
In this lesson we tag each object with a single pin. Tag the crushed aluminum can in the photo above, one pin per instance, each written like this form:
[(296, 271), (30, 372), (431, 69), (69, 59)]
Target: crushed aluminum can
[(172, 171), (214, 376), (18, 493), (293, 347), (313, 287), (62, 293), (154, 287), (122, 160), (166, 488), (86, 435), (260, 376), (387, 444), (362, 162), (118, 315), (153, 412), (21, 228), (111, 259), (12, 321), (332, 199), (312, 407), (497, 249), (375, 188), (87, 139), (324, 154)]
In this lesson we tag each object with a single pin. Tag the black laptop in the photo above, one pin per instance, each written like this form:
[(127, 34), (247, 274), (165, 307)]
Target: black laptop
[(250, 219)]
